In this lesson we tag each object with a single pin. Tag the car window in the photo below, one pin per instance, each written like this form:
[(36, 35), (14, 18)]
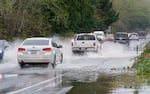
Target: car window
[(54, 44), (133, 35), (36, 42), (86, 37)]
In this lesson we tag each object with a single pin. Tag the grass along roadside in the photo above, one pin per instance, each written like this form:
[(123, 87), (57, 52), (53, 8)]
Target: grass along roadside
[(142, 64)]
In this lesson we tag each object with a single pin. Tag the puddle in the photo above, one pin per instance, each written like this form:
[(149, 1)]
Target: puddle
[(113, 84), (22, 84)]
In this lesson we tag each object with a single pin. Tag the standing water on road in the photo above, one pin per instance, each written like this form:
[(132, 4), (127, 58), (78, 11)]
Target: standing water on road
[(106, 72), (113, 84)]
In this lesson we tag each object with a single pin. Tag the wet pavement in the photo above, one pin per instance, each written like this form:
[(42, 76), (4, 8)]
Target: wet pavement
[(113, 84), (106, 72)]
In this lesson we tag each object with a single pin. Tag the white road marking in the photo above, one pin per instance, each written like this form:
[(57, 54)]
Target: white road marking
[(23, 90)]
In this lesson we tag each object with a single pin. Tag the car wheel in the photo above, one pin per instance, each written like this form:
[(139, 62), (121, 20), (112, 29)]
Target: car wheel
[(46, 65), (1, 56), (74, 52), (21, 65), (61, 60), (128, 43), (96, 50), (54, 62)]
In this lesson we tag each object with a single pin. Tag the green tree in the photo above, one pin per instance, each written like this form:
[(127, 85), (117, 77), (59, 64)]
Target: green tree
[(134, 15), (106, 13), (88, 21), (27, 18), (5, 18), (55, 15)]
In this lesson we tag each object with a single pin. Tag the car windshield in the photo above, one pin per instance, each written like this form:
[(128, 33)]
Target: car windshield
[(99, 34), (121, 35), (133, 36), (85, 37), (36, 42)]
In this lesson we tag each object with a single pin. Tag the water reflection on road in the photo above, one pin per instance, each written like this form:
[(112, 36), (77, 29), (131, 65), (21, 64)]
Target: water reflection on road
[(25, 83), (113, 84), (105, 72)]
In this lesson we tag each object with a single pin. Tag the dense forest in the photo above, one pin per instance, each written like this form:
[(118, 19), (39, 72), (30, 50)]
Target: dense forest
[(27, 18), (134, 15)]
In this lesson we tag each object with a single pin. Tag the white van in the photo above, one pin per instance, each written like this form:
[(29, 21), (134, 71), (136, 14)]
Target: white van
[(100, 35)]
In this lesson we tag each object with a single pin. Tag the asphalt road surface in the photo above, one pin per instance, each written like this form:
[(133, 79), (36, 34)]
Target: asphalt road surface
[(82, 67)]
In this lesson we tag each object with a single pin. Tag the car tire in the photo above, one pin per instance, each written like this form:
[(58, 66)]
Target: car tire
[(47, 65), (61, 60), (74, 52), (2, 55), (21, 65), (54, 62), (97, 49)]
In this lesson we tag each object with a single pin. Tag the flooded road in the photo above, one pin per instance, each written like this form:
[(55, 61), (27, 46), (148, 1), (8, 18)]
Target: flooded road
[(113, 84), (106, 72)]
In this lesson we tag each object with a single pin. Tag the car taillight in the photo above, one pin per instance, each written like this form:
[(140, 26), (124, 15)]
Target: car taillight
[(21, 49), (94, 44), (127, 38), (91, 33), (47, 49)]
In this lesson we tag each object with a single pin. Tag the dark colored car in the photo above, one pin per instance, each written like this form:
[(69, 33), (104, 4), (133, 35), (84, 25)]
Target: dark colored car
[(121, 37), (3, 46), (142, 35)]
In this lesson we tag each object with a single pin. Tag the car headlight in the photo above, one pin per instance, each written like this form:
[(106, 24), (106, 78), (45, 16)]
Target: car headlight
[(1, 51)]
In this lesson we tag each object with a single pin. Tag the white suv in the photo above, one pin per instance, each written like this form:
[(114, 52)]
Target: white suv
[(85, 42), (100, 35)]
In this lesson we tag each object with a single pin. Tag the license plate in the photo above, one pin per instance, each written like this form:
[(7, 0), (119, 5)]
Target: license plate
[(120, 38), (33, 52)]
